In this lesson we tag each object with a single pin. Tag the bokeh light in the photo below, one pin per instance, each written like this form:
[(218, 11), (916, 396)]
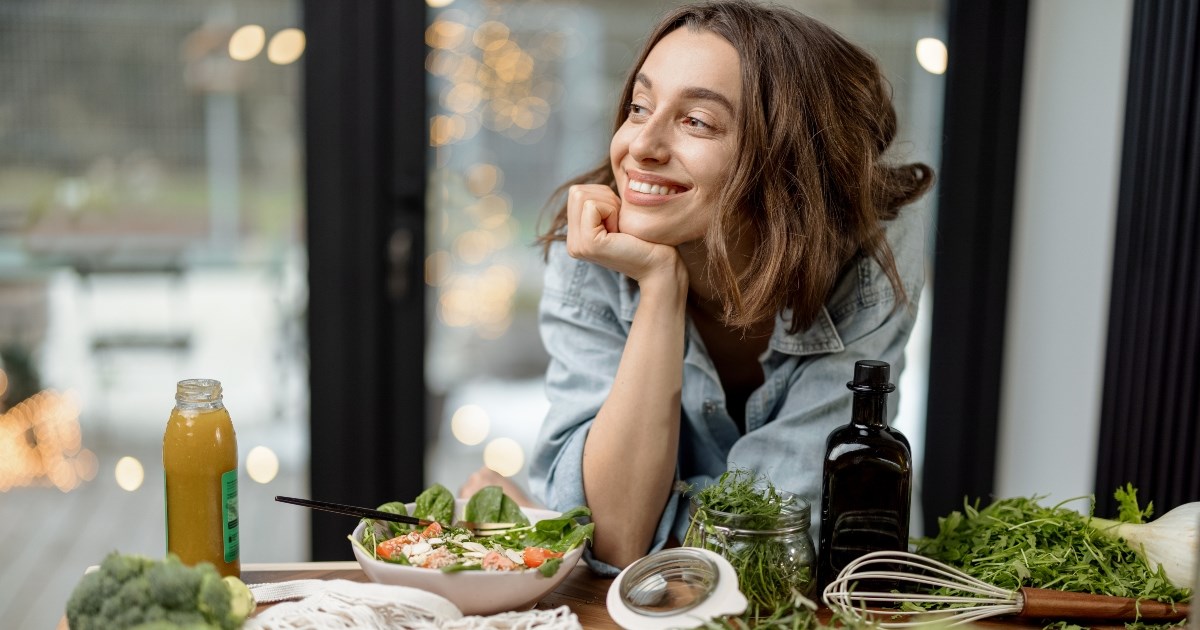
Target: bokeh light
[(40, 442), (932, 55), (262, 464), (247, 42), (129, 473), (286, 46), (437, 267), (470, 424), (504, 456), (483, 179)]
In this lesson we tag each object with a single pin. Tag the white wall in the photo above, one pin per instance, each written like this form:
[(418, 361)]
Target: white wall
[(1067, 179)]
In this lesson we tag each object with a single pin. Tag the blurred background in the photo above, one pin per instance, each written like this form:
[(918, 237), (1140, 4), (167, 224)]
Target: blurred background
[(164, 170)]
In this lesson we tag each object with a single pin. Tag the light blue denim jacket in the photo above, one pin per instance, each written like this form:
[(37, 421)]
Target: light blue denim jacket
[(585, 314)]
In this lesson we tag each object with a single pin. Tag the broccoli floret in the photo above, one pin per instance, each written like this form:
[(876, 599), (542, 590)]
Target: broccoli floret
[(213, 600), (175, 585), (88, 598), (138, 592)]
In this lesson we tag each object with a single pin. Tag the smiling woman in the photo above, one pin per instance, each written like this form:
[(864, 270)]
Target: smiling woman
[(711, 285)]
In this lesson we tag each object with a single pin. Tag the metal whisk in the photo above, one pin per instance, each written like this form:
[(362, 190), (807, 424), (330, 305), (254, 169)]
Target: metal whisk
[(914, 577)]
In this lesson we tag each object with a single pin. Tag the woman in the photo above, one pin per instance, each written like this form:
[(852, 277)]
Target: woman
[(710, 286)]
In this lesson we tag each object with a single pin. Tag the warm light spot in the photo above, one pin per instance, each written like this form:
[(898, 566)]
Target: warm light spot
[(286, 46), (129, 473), (446, 129), (491, 211), (474, 246), (531, 112), (483, 179), (463, 97), (491, 35), (454, 306), (437, 4), (247, 42), (504, 456), (470, 424), (262, 464), (86, 465), (445, 34), (3, 383), (437, 267), (932, 55)]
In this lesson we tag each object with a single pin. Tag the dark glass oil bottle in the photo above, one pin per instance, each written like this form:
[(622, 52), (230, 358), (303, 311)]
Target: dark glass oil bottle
[(867, 484)]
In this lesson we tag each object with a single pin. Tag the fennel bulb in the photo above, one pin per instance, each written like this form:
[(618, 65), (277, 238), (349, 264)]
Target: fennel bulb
[(1171, 541)]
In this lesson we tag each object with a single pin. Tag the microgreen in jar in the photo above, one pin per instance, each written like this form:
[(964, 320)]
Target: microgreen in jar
[(762, 531)]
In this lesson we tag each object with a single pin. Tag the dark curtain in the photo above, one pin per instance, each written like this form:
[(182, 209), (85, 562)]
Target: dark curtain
[(1151, 406), (986, 42), (364, 98)]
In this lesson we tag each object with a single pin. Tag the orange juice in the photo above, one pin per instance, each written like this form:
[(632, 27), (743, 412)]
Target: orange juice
[(200, 466)]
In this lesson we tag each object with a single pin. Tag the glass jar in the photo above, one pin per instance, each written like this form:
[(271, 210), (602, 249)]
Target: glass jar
[(773, 556)]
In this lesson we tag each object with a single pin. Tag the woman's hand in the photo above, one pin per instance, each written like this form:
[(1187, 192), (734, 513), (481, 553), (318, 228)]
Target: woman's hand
[(485, 477), (594, 235)]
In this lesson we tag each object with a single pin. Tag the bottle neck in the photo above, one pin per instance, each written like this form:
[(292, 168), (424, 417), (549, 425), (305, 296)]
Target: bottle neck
[(198, 395), (870, 409)]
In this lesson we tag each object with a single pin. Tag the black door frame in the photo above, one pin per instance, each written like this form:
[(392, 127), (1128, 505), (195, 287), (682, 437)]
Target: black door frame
[(986, 43), (365, 139)]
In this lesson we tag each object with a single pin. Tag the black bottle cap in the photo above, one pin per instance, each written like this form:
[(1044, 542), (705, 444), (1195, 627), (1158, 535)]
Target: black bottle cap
[(872, 377)]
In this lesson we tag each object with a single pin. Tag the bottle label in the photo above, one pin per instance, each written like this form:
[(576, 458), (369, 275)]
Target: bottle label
[(229, 515)]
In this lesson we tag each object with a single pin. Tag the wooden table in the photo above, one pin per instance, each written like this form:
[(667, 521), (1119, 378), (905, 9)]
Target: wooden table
[(582, 591)]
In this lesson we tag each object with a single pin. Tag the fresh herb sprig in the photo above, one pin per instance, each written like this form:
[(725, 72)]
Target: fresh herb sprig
[(768, 571), (1018, 542)]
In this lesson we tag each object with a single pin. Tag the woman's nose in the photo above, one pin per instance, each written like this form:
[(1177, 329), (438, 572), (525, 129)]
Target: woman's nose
[(652, 142)]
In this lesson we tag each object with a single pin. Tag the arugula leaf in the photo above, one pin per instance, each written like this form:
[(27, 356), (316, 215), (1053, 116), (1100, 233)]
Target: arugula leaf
[(1127, 506), (491, 505), (1017, 542), (436, 503)]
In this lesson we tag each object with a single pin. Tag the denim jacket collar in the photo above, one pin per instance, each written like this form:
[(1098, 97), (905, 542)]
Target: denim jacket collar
[(820, 337)]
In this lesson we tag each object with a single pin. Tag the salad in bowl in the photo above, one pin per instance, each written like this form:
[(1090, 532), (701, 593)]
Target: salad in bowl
[(479, 574)]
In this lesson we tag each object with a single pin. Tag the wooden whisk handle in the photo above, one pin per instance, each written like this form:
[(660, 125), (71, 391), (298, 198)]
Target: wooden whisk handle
[(1041, 603)]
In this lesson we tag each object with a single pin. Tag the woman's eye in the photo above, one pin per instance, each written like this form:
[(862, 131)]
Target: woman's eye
[(696, 123), (636, 110)]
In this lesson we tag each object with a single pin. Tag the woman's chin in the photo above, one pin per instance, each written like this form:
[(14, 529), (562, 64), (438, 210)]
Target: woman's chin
[(646, 229)]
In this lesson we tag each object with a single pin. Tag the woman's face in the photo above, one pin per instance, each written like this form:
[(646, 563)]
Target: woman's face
[(673, 152)]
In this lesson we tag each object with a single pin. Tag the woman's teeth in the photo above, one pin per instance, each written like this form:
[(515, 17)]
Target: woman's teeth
[(651, 189)]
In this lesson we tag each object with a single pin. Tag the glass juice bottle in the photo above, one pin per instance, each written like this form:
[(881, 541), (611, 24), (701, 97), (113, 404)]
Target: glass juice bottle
[(867, 482), (200, 467)]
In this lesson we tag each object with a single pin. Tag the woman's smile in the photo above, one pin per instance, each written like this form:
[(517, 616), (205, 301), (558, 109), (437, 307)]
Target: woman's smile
[(644, 189)]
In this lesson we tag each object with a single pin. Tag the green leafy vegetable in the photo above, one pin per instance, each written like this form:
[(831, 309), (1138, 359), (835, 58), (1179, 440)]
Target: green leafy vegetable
[(394, 507), (436, 503), (1017, 542), (130, 590), (491, 505), (560, 534), (770, 573)]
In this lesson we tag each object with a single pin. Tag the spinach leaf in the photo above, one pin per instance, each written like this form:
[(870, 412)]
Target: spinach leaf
[(550, 567), (394, 507), (436, 503), (491, 505)]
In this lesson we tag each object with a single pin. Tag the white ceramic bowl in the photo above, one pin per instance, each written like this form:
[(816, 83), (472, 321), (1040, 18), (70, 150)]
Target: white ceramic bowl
[(474, 592)]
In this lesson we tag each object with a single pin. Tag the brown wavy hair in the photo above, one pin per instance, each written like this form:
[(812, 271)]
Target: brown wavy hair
[(808, 178)]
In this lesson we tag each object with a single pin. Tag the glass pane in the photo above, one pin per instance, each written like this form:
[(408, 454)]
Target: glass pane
[(151, 230), (522, 96)]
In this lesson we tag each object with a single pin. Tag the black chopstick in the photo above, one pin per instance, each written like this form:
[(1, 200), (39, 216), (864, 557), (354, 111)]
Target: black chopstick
[(350, 510)]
